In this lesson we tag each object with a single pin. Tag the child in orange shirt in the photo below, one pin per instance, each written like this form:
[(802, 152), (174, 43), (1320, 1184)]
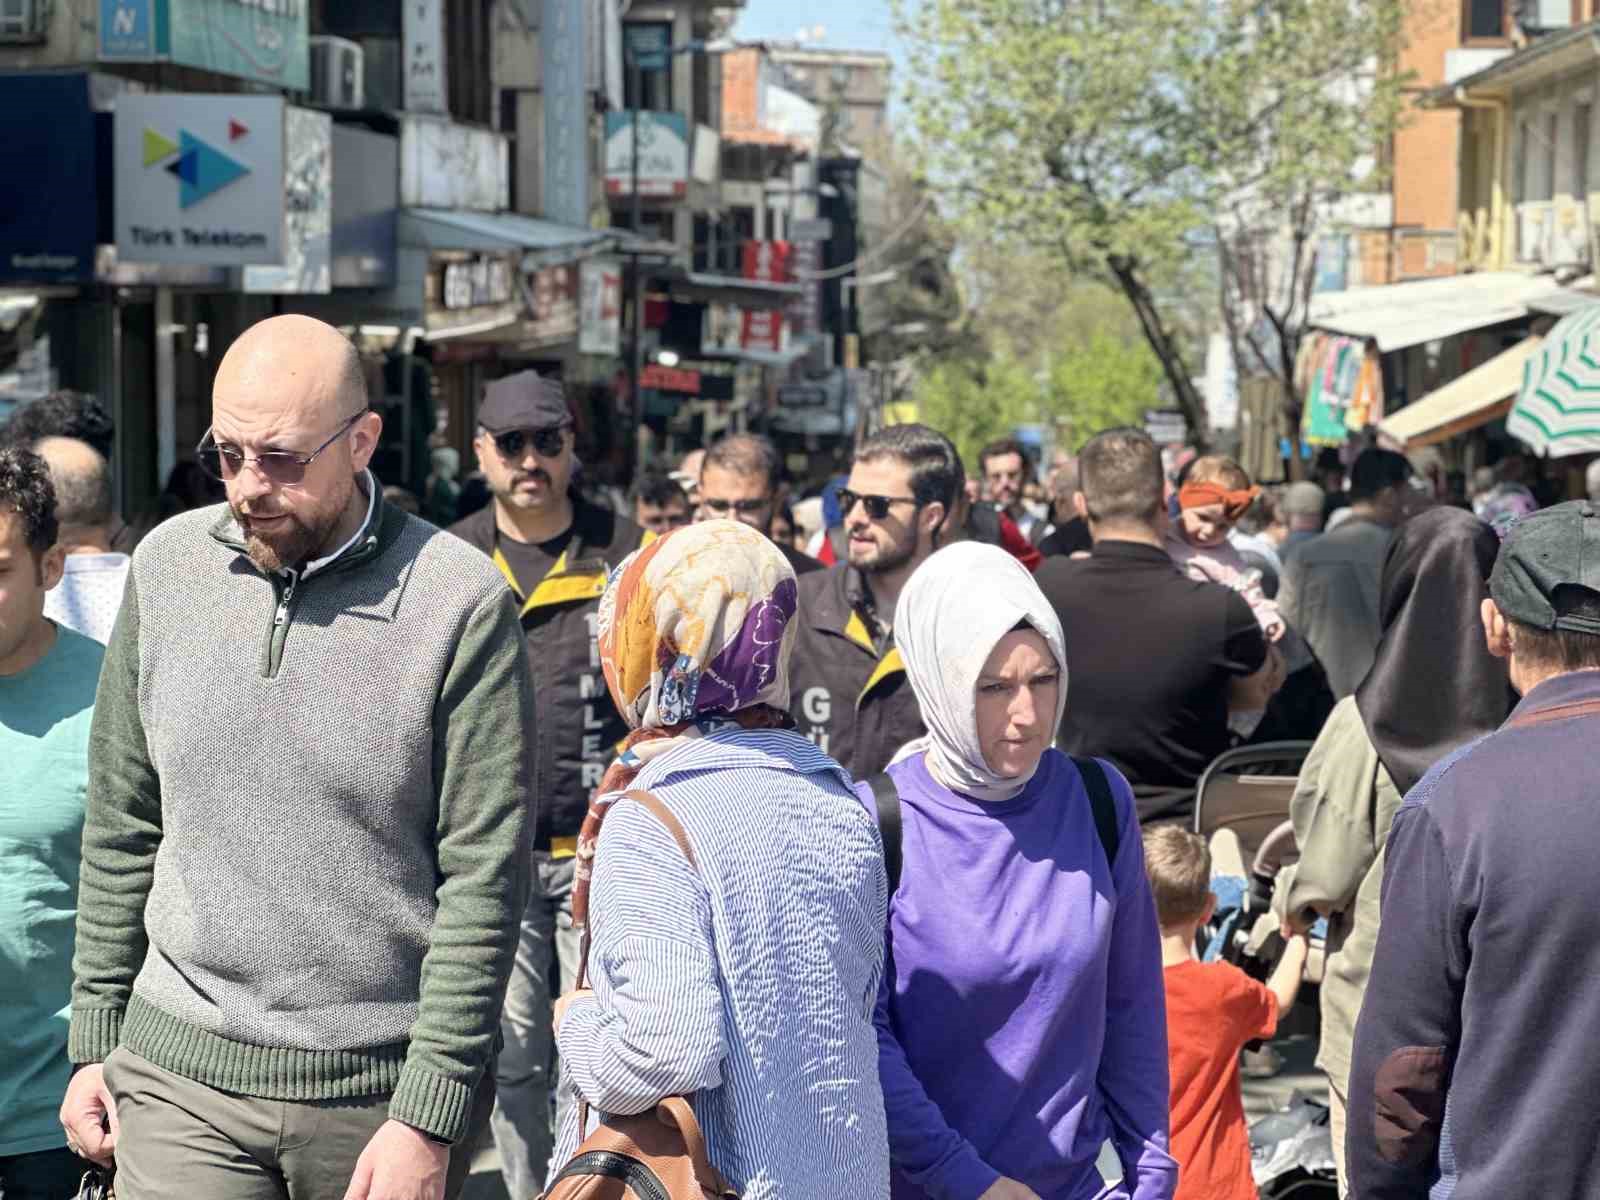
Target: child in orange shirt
[(1213, 1010)]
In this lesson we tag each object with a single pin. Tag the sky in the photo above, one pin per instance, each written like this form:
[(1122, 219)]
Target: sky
[(846, 24)]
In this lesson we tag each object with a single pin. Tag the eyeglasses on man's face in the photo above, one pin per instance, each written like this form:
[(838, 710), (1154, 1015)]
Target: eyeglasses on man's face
[(514, 443), (723, 508), (877, 506), (224, 460)]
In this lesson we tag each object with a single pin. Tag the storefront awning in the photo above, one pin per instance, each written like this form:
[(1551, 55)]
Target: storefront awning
[(545, 243), (1408, 314), (1483, 394)]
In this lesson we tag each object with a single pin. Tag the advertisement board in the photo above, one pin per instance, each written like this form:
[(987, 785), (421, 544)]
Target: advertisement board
[(48, 228), (199, 179), (663, 154), (552, 299), (262, 40), (423, 81), (563, 59), (600, 301), (308, 232)]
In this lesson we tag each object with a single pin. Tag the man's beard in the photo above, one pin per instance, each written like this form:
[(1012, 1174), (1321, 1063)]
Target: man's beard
[(519, 499), (891, 559), (291, 542)]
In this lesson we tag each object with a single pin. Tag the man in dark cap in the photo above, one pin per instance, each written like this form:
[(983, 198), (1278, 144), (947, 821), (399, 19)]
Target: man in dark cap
[(1474, 1069), (556, 551)]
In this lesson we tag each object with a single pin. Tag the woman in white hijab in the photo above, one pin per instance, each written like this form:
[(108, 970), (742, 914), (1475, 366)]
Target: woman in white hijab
[(1022, 1019)]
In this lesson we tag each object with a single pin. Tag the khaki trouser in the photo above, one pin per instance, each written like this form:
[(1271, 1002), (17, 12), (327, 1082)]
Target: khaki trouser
[(183, 1139)]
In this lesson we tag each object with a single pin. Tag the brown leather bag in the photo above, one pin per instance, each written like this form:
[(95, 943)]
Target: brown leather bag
[(657, 1155)]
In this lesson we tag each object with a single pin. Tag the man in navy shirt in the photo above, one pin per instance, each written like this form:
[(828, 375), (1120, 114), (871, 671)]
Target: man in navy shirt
[(1474, 1072)]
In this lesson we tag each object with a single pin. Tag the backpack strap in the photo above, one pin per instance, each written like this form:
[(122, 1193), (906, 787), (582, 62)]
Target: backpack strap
[(887, 798), (1103, 804)]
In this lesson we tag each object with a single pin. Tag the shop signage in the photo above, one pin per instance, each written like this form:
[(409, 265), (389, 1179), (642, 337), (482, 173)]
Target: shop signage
[(475, 282), (763, 330), (768, 262), (199, 179), (308, 234), (600, 296), (423, 84), (1166, 426), (48, 228), (729, 329), (705, 378), (663, 154), (445, 165), (802, 309), (563, 58), (552, 299), (262, 40), (813, 229), (670, 379)]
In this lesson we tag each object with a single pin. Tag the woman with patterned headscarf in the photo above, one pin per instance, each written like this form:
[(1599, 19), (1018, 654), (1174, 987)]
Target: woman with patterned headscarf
[(747, 977)]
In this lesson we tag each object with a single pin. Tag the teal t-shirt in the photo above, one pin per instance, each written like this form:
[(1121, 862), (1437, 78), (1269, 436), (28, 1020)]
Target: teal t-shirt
[(44, 775)]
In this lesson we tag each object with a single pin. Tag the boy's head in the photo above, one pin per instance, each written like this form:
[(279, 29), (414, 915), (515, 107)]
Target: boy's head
[(1215, 494), (1179, 866)]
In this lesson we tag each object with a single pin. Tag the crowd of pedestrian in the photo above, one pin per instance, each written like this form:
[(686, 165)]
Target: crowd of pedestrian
[(343, 830)]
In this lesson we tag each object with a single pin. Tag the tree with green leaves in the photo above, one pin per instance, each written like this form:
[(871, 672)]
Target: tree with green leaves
[(1109, 135)]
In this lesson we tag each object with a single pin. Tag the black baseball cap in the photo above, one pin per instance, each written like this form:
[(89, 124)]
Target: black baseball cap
[(526, 400), (1546, 557)]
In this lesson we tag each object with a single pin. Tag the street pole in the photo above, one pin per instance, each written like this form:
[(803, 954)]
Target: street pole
[(636, 323)]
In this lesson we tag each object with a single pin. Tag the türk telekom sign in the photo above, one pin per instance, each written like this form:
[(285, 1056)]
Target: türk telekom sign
[(199, 179)]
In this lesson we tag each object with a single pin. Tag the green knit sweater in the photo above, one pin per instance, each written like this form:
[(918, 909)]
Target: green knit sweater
[(305, 854)]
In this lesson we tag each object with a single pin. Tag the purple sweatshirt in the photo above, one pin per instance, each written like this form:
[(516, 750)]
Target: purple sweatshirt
[(1022, 1021)]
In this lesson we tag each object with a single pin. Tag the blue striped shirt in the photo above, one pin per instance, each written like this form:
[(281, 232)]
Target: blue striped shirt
[(751, 983)]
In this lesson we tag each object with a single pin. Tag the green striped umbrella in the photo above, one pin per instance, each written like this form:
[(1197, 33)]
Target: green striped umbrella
[(1558, 409)]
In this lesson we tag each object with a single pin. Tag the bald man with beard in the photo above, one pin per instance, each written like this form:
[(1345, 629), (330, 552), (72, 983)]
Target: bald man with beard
[(306, 845)]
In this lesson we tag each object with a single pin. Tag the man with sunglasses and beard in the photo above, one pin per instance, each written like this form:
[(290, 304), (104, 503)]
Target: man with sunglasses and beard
[(305, 848), (848, 687), (556, 552)]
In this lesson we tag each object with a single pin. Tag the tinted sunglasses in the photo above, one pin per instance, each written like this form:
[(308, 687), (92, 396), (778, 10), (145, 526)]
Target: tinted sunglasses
[(547, 442), (877, 506), (723, 507), (224, 461)]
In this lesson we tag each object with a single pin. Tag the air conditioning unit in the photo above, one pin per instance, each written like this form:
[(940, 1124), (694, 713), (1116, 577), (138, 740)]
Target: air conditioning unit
[(24, 20), (337, 73)]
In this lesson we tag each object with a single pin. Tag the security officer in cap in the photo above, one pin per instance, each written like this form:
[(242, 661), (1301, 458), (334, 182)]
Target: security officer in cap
[(556, 551)]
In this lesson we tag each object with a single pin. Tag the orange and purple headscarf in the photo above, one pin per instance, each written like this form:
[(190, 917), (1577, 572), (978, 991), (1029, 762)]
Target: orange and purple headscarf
[(696, 630)]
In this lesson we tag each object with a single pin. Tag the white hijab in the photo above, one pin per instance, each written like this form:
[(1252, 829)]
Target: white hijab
[(953, 612)]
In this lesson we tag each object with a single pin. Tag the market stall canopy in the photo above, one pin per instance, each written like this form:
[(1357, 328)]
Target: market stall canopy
[(1557, 412), (545, 243), (1398, 315), (1483, 394)]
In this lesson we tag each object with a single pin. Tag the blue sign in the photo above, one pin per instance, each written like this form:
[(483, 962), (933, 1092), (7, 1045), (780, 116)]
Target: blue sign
[(127, 30), (47, 136), (566, 112), (263, 40), (202, 169)]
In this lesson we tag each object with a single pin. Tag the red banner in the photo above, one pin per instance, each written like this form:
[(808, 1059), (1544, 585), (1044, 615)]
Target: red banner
[(770, 262)]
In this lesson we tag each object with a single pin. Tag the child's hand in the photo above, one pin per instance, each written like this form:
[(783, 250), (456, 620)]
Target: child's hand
[(1275, 631)]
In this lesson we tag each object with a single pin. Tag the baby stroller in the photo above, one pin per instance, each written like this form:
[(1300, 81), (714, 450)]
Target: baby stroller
[(1242, 809)]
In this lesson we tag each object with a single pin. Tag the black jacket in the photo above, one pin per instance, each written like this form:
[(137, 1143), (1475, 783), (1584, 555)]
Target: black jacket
[(576, 726), (854, 702)]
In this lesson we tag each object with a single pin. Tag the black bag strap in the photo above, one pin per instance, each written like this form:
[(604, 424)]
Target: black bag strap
[(1103, 804), (887, 798)]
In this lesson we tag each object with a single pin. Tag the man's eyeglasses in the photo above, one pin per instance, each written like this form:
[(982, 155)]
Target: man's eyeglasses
[(877, 506), (224, 461), (723, 507), (547, 443)]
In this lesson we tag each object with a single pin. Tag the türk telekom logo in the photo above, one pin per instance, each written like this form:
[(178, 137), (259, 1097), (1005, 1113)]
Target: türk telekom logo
[(201, 169)]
